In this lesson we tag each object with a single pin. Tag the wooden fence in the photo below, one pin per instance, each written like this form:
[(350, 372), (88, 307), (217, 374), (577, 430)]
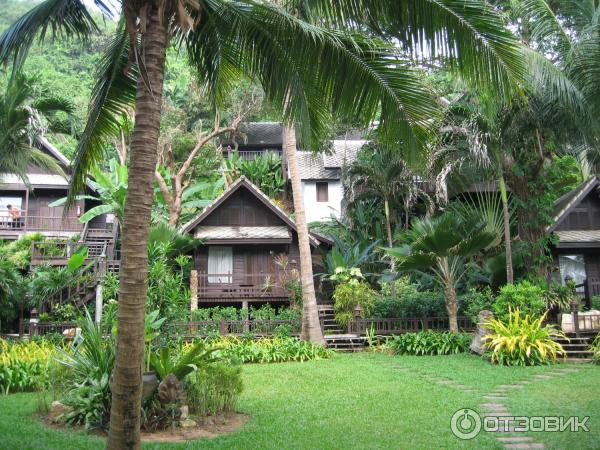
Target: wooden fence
[(405, 325)]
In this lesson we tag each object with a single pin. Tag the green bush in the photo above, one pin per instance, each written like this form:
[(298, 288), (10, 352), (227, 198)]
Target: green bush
[(347, 295), (522, 341), (596, 349), (595, 302), (24, 365), (214, 389), (476, 301), (268, 350), (430, 343), (524, 296)]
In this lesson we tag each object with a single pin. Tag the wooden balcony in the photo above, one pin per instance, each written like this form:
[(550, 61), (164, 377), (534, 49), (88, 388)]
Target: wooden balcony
[(53, 226), (236, 287), (250, 155)]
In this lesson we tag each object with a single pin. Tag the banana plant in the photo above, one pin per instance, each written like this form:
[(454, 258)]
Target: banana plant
[(110, 188)]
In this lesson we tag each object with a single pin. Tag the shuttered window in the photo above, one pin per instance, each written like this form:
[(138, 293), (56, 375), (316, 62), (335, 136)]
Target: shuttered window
[(322, 191)]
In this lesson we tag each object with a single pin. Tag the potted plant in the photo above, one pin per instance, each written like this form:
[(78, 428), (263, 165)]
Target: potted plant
[(152, 324)]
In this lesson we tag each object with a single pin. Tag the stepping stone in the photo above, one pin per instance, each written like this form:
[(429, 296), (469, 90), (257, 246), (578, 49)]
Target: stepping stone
[(444, 382), (495, 414), (524, 445), (492, 405), (470, 391), (509, 386), (523, 382), (514, 439), (494, 397), (542, 377)]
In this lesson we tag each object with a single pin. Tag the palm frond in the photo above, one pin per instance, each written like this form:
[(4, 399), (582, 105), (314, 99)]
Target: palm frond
[(470, 34), (357, 77), (112, 96)]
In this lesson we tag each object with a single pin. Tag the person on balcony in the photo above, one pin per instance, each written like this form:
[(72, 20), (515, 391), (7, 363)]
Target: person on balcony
[(15, 216)]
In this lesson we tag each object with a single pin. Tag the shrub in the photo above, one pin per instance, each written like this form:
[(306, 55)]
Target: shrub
[(24, 365), (214, 389), (595, 302), (89, 366), (524, 296), (430, 343), (476, 301), (596, 349), (347, 295), (269, 350), (522, 341)]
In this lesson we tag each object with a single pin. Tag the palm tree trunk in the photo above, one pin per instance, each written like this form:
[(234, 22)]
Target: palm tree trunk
[(449, 294), (126, 383), (507, 239), (311, 328), (388, 226)]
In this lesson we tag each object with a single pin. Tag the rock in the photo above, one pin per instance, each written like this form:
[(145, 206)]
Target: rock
[(58, 412), (477, 345), (187, 423), (184, 412)]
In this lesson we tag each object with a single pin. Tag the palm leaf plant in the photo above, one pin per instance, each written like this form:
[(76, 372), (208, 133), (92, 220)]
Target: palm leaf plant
[(357, 78), (26, 115), (442, 244)]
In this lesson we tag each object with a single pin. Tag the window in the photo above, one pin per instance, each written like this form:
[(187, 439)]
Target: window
[(322, 191), (220, 264), (572, 266)]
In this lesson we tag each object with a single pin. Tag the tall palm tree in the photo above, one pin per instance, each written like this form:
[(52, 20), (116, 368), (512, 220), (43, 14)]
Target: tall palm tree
[(358, 79), (441, 244), (26, 114), (311, 326)]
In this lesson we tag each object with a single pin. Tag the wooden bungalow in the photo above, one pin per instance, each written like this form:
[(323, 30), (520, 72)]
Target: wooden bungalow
[(33, 200), (250, 249), (576, 226)]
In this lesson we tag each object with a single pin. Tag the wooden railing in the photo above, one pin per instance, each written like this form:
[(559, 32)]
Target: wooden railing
[(27, 223), (224, 327), (58, 252), (406, 325), (240, 286), (249, 155), (28, 328)]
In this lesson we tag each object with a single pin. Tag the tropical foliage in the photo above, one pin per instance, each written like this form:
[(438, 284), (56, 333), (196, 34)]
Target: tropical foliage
[(523, 340), (430, 343), (24, 365)]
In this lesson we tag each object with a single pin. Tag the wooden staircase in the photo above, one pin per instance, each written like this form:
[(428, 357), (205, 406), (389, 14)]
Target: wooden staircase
[(578, 346), (335, 337)]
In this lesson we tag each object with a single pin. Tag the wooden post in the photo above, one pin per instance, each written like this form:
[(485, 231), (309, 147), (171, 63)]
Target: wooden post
[(33, 322), (194, 290), (246, 320), (25, 214), (575, 316), (101, 274), (222, 329)]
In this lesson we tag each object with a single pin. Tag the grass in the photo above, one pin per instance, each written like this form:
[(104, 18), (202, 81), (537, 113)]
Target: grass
[(354, 402)]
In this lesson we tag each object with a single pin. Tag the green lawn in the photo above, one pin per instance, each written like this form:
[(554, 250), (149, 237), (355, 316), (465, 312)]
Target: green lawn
[(357, 401)]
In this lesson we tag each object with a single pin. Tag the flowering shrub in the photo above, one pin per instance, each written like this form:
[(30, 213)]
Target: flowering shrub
[(430, 343), (24, 365)]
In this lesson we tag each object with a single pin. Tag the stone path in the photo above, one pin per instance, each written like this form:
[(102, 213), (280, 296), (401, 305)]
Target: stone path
[(493, 401), (494, 406)]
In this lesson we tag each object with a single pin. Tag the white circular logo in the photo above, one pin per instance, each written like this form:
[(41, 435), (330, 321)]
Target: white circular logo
[(465, 424)]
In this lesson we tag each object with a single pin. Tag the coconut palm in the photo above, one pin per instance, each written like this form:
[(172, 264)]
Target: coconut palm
[(356, 78), (26, 114), (442, 244)]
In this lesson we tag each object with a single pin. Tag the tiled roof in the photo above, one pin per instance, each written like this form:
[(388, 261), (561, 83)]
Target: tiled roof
[(578, 236), (258, 133), (322, 166), (311, 167), (344, 153), (236, 232)]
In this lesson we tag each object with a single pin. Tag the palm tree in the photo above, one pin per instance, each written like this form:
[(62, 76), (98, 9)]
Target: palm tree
[(441, 244), (357, 78), (311, 326), (382, 173), (25, 116)]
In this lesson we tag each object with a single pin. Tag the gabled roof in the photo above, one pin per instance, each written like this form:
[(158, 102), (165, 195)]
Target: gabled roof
[(565, 204), (243, 182)]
